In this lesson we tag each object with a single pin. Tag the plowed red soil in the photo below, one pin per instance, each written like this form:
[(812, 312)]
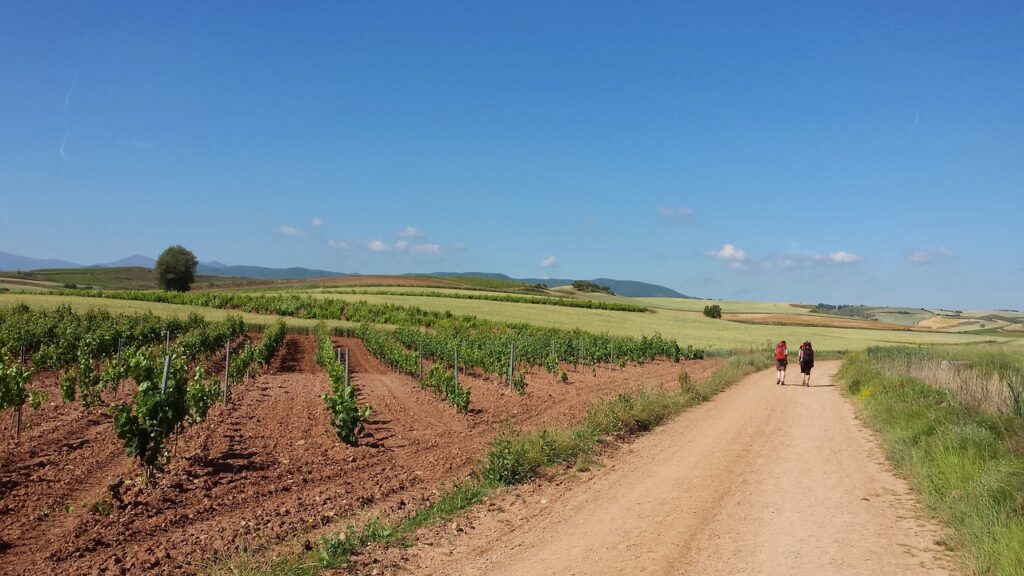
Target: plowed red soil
[(263, 470)]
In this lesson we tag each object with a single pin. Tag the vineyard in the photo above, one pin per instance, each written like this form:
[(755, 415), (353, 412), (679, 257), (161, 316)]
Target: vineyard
[(435, 334), (95, 353), (190, 407), (566, 301)]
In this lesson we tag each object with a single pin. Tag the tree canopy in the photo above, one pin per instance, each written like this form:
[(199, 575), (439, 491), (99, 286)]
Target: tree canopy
[(176, 269)]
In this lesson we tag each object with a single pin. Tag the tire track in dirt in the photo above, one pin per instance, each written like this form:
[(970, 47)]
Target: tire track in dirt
[(761, 480)]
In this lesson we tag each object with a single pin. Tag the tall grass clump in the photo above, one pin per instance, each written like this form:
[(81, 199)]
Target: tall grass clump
[(967, 462), (980, 377)]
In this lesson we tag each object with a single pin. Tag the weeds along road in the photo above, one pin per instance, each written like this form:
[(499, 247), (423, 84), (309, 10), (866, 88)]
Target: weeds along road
[(761, 480)]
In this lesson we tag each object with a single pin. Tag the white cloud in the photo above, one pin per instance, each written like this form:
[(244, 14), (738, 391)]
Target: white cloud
[(339, 244), (425, 249), (929, 256), (410, 232), (729, 253), (669, 212), (285, 230), (377, 246), (548, 262), (840, 257), (317, 222), (402, 244)]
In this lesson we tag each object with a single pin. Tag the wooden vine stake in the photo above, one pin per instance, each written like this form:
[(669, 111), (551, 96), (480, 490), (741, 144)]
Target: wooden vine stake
[(227, 371), (511, 363), (167, 367), (17, 425)]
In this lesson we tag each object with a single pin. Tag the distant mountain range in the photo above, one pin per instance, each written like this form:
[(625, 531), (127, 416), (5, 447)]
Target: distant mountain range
[(631, 288), (262, 273), (13, 262)]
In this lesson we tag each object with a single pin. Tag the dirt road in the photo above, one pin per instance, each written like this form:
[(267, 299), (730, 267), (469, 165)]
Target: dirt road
[(761, 480)]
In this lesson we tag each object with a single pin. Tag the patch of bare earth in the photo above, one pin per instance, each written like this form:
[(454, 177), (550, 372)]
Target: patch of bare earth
[(263, 470)]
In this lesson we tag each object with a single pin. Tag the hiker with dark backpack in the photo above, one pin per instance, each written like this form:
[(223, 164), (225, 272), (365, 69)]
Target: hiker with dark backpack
[(781, 361), (806, 359)]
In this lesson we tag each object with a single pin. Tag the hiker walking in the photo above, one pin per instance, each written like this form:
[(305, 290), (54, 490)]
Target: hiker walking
[(806, 359), (781, 361)]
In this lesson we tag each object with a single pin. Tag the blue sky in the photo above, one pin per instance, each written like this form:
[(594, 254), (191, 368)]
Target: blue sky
[(858, 153)]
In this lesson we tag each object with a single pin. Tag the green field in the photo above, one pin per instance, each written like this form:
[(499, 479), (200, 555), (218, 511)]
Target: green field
[(425, 290), (677, 318), (127, 278), (15, 285), (81, 304), (901, 316), (728, 306)]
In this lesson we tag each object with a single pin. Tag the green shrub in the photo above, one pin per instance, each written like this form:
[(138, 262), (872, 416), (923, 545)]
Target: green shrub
[(713, 311), (519, 383)]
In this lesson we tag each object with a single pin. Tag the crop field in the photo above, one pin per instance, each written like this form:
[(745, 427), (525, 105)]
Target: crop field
[(684, 326), (122, 277), (127, 452), (389, 390), (814, 320), (730, 307), (902, 316), (959, 324), (83, 304), (401, 283)]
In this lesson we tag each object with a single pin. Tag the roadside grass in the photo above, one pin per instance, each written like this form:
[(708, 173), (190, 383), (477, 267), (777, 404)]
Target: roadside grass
[(967, 463), (980, 377), (514, 457)]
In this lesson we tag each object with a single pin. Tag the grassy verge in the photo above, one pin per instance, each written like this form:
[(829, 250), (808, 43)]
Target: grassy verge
[(515, 457), (966, 463)]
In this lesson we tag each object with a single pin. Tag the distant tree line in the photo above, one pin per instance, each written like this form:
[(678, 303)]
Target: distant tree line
[(848, 310), (587, 286)]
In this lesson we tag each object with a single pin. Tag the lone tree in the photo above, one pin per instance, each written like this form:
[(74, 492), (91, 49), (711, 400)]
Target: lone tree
[(176, 269), (713, 311)]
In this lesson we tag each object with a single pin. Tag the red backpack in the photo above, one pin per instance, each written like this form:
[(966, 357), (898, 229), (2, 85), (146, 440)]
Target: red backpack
[(780, 352)]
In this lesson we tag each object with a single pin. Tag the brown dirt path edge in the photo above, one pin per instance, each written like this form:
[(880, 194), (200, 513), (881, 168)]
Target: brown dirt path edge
[(761, 480)]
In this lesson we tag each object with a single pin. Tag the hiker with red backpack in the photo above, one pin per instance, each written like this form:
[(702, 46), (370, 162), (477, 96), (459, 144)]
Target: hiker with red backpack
[(781, 361), (806, 359)]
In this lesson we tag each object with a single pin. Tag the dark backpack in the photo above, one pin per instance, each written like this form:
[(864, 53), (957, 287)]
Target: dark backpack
[(808, 355)]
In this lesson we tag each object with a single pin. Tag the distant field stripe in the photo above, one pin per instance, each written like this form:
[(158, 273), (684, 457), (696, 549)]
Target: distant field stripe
[(512, 298)]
